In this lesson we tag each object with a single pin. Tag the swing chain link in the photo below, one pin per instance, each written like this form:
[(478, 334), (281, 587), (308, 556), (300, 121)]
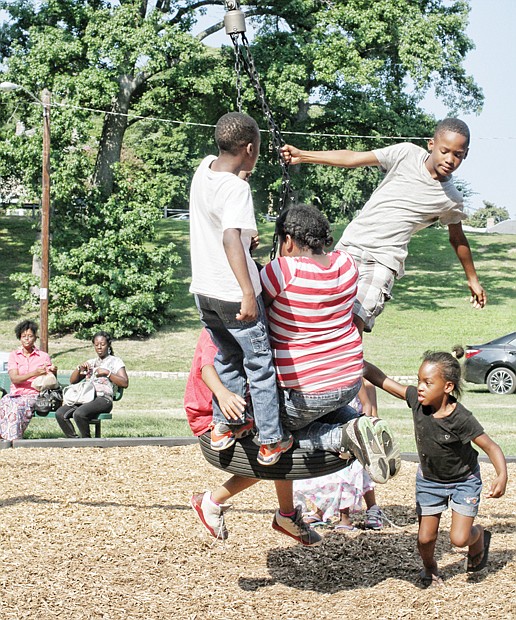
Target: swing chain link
[(244, 58), (238, 71)]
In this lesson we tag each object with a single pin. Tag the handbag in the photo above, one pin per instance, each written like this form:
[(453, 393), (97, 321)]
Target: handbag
[(45, 382), (79, 393), (48, 400)]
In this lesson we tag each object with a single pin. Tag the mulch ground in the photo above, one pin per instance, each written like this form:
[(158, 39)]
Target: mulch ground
[(108, 534)]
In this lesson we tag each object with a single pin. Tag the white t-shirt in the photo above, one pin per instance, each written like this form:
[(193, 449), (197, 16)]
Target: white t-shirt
[(219, 201), (407, 200)]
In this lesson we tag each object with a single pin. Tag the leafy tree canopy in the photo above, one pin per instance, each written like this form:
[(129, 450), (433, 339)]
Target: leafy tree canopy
[(353, 67), (340, 67), (489, 211)]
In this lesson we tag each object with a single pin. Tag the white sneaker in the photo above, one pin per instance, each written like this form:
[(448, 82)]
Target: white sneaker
[(210, 514), (371, 442), (374, 518)]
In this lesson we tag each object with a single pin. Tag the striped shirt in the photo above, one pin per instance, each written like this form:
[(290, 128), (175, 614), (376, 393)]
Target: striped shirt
[(315, 343)]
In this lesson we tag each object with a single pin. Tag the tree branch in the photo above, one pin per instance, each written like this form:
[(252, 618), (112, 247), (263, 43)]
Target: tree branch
[(190, 8), (211, 30)]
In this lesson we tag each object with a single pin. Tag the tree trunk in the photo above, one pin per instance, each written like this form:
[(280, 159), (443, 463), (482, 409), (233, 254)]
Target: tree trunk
[(113, 131)]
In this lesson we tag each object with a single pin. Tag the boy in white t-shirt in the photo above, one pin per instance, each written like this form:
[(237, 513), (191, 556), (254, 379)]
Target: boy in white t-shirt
[(417, 191), (227, 287)]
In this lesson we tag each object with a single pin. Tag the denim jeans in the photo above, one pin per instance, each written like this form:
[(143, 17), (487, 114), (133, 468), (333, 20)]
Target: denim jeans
[(325, 433), (244, 354), (299, 409)]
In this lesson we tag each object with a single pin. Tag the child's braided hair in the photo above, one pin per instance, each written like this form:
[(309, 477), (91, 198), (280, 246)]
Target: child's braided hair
[(307, 226)]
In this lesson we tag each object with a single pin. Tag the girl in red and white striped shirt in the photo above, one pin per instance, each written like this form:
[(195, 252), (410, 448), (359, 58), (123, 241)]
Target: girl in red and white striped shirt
[(310, 294)]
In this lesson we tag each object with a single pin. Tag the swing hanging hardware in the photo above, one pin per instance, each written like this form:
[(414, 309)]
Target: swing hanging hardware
[(234, 19), (234, 22)]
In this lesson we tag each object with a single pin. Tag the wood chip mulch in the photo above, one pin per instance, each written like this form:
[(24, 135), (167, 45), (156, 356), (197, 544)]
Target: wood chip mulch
[(108, 534)]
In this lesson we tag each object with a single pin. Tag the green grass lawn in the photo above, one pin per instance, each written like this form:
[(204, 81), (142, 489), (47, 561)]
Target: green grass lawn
[(430, 310)]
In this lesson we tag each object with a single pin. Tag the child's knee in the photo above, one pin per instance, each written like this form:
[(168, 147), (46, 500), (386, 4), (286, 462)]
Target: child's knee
[(459, 539), (426, 537), (463, 537)]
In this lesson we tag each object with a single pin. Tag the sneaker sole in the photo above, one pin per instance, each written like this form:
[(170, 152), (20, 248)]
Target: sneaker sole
[(278, 528), (370, 451), (198, 511), (390, 445), (371, 527), (220, 445)]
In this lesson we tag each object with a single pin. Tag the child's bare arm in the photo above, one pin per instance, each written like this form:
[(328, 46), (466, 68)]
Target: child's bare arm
[(342, 159), (380, 379), (238, 263), (461, 246), (495, 454), (232, 405)]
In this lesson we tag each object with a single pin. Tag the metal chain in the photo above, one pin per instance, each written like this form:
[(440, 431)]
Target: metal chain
[(247, 61), (238, 71)]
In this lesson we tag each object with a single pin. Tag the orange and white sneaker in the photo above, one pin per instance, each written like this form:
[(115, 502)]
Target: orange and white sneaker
[(270, 454), (223, 435)]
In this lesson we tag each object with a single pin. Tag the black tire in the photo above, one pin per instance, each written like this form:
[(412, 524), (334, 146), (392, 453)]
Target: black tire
[(296, 464), (501, 380)]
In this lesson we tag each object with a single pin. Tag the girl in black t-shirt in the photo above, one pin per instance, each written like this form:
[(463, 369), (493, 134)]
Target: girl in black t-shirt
[(448, 473)]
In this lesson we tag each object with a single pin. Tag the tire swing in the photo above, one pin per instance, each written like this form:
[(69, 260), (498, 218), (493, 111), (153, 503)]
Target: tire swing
[(241, 458), (296, 464)]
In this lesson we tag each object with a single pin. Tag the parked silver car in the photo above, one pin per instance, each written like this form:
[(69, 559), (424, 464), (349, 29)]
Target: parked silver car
[(493, 363)]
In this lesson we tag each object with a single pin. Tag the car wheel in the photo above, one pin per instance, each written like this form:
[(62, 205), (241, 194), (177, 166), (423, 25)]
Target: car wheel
[(501, 381)]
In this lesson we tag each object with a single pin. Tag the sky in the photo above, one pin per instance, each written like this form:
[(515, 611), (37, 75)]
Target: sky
[(491, 161)]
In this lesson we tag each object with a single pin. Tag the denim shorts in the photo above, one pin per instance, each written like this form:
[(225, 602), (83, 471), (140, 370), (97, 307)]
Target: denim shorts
[(463, 497)]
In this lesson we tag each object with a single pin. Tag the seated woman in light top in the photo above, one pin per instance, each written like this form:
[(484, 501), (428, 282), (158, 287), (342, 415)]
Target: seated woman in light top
[(106, 371)]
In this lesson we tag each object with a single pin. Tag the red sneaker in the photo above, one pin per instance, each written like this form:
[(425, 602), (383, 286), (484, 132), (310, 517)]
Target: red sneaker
[(270, 454), (223, 435)]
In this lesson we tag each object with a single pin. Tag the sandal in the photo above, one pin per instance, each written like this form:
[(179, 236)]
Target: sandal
[(430, 581), (314, 521), (484, 554), (340, 527)]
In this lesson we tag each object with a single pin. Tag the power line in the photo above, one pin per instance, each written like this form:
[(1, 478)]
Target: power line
[(291, 133)]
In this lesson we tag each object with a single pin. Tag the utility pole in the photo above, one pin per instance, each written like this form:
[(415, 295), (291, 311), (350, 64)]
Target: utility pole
[(45, 224)]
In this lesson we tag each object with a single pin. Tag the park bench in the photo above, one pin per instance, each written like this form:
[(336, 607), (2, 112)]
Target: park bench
[(5, 384), (19, 206)]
